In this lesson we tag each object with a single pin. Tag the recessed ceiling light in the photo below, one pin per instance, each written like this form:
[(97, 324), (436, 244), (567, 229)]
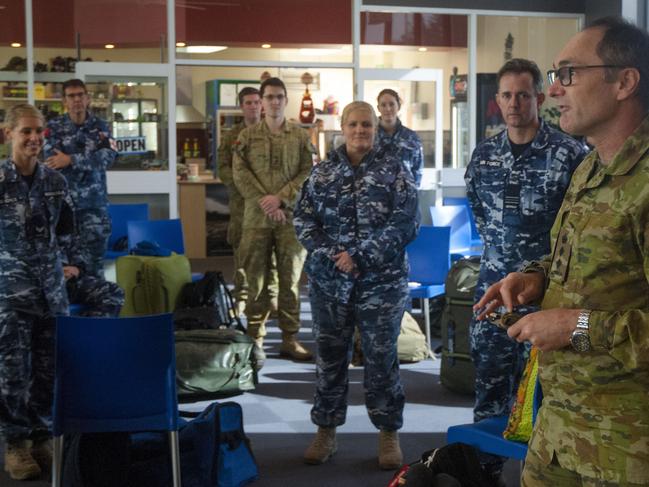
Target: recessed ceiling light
[(265, 46), (16, 44), (422, 49), (110, 46), (180, 44), (201, 49)]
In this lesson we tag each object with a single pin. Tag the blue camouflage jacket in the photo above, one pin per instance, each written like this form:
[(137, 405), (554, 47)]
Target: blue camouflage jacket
[(407, 147), (31, 222), (92, 150), (515, 202), (368, 210)]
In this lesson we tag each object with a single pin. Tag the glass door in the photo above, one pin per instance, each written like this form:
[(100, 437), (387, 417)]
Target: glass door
[(421, 110)]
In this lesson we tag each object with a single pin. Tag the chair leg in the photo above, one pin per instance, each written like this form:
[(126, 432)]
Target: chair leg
[(57, 460), (175, 457), (427, 324)]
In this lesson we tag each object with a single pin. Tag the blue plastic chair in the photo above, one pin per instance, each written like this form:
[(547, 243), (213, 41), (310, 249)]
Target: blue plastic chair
[(456, 217), (428, 256), (487, 435), (464, 201), (119, 216), (166, 233), (115, 374)]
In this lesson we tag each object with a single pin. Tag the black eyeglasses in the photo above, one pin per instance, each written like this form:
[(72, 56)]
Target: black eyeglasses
[(564, 73)]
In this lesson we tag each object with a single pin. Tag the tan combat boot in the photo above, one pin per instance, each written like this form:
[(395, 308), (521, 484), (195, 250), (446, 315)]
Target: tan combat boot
[(291, 347), (258, 353), (19, 462), (390, 456), (322, 447), (42, 453)]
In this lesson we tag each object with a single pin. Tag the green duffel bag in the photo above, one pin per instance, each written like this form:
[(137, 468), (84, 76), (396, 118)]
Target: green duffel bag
[(214, 362), (151, 284)]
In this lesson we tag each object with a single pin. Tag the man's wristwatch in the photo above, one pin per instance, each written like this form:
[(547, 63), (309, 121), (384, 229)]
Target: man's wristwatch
[(580, 339)]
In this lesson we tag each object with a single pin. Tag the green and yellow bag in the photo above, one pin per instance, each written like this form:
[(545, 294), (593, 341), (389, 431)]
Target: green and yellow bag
[(519, 426)]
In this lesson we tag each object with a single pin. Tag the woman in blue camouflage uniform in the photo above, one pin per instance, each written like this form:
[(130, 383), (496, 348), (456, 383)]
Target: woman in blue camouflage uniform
[(392, 134), (35, 208), (355, 217)]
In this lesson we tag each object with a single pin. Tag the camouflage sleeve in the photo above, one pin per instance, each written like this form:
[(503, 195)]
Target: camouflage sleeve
[(308, 228), (401, 228), (244, 179), (289, 191), (100, 159), (625, 333), (472, 180), (225, 158), (418, 163), (52, 141)]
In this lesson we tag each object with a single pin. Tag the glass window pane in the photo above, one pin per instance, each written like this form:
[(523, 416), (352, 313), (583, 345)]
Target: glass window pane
[(537, 38), (308, 30), (422, 40), (136, 30)]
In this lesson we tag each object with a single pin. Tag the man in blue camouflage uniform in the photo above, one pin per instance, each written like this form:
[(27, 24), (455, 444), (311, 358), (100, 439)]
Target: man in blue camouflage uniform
[(80, 146), (515, 181), (35, 209), (393, 135), (355, 217), (97, 297)]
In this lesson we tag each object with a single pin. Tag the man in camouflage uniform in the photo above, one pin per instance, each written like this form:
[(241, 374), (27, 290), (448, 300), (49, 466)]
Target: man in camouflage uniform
[(250, 103), (80, 146), (593, 330), (35, 209), (271, 161), (515, 184)]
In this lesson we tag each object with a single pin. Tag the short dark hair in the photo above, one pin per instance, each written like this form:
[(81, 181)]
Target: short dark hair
[(247, 91), (272, 82), (624, 44), (74, 83), (519, 66), (392, 93)]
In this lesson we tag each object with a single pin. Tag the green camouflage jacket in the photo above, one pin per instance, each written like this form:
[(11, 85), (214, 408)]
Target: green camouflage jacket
[(265, 163), (595, 413), (225, 174)]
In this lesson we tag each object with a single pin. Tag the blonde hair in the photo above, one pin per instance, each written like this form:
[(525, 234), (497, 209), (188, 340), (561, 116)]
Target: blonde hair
[(359, 105), (24, 110)]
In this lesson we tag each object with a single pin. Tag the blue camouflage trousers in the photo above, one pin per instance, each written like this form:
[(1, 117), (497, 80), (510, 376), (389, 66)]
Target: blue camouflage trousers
[(93, 228), (499, 364), (378, 316), (26, 374)]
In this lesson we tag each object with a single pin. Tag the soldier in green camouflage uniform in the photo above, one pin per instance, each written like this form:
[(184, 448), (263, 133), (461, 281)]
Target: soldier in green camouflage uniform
[(271, 161), (250, 103), (593, 333)]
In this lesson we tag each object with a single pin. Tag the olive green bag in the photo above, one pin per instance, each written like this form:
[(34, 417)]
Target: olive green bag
[(214, 362)]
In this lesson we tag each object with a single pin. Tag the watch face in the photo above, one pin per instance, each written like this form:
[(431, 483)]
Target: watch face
[(580, 341)]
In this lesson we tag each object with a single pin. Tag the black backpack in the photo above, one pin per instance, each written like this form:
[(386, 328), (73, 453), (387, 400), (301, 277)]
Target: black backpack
[(206, 304)]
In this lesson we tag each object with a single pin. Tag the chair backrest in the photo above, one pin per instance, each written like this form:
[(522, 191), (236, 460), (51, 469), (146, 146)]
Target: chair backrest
[(456, 217), (115, 374), (120, 214), (166, 233), (463, 201), (429, 256)]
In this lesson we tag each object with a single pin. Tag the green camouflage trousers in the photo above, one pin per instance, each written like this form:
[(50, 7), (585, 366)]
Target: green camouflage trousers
[(257, 248), (537, 474)]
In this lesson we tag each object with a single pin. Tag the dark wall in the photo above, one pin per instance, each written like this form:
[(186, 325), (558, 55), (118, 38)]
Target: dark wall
[(561, 6), (602, 8)]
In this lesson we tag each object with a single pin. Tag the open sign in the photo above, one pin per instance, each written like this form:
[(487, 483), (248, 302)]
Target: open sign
[(131, 145)]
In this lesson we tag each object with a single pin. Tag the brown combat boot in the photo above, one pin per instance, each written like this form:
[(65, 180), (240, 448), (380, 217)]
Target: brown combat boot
[(322, 447), (19, 462), (390, 456), (42, 453), (258, 353), (291, 347)]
